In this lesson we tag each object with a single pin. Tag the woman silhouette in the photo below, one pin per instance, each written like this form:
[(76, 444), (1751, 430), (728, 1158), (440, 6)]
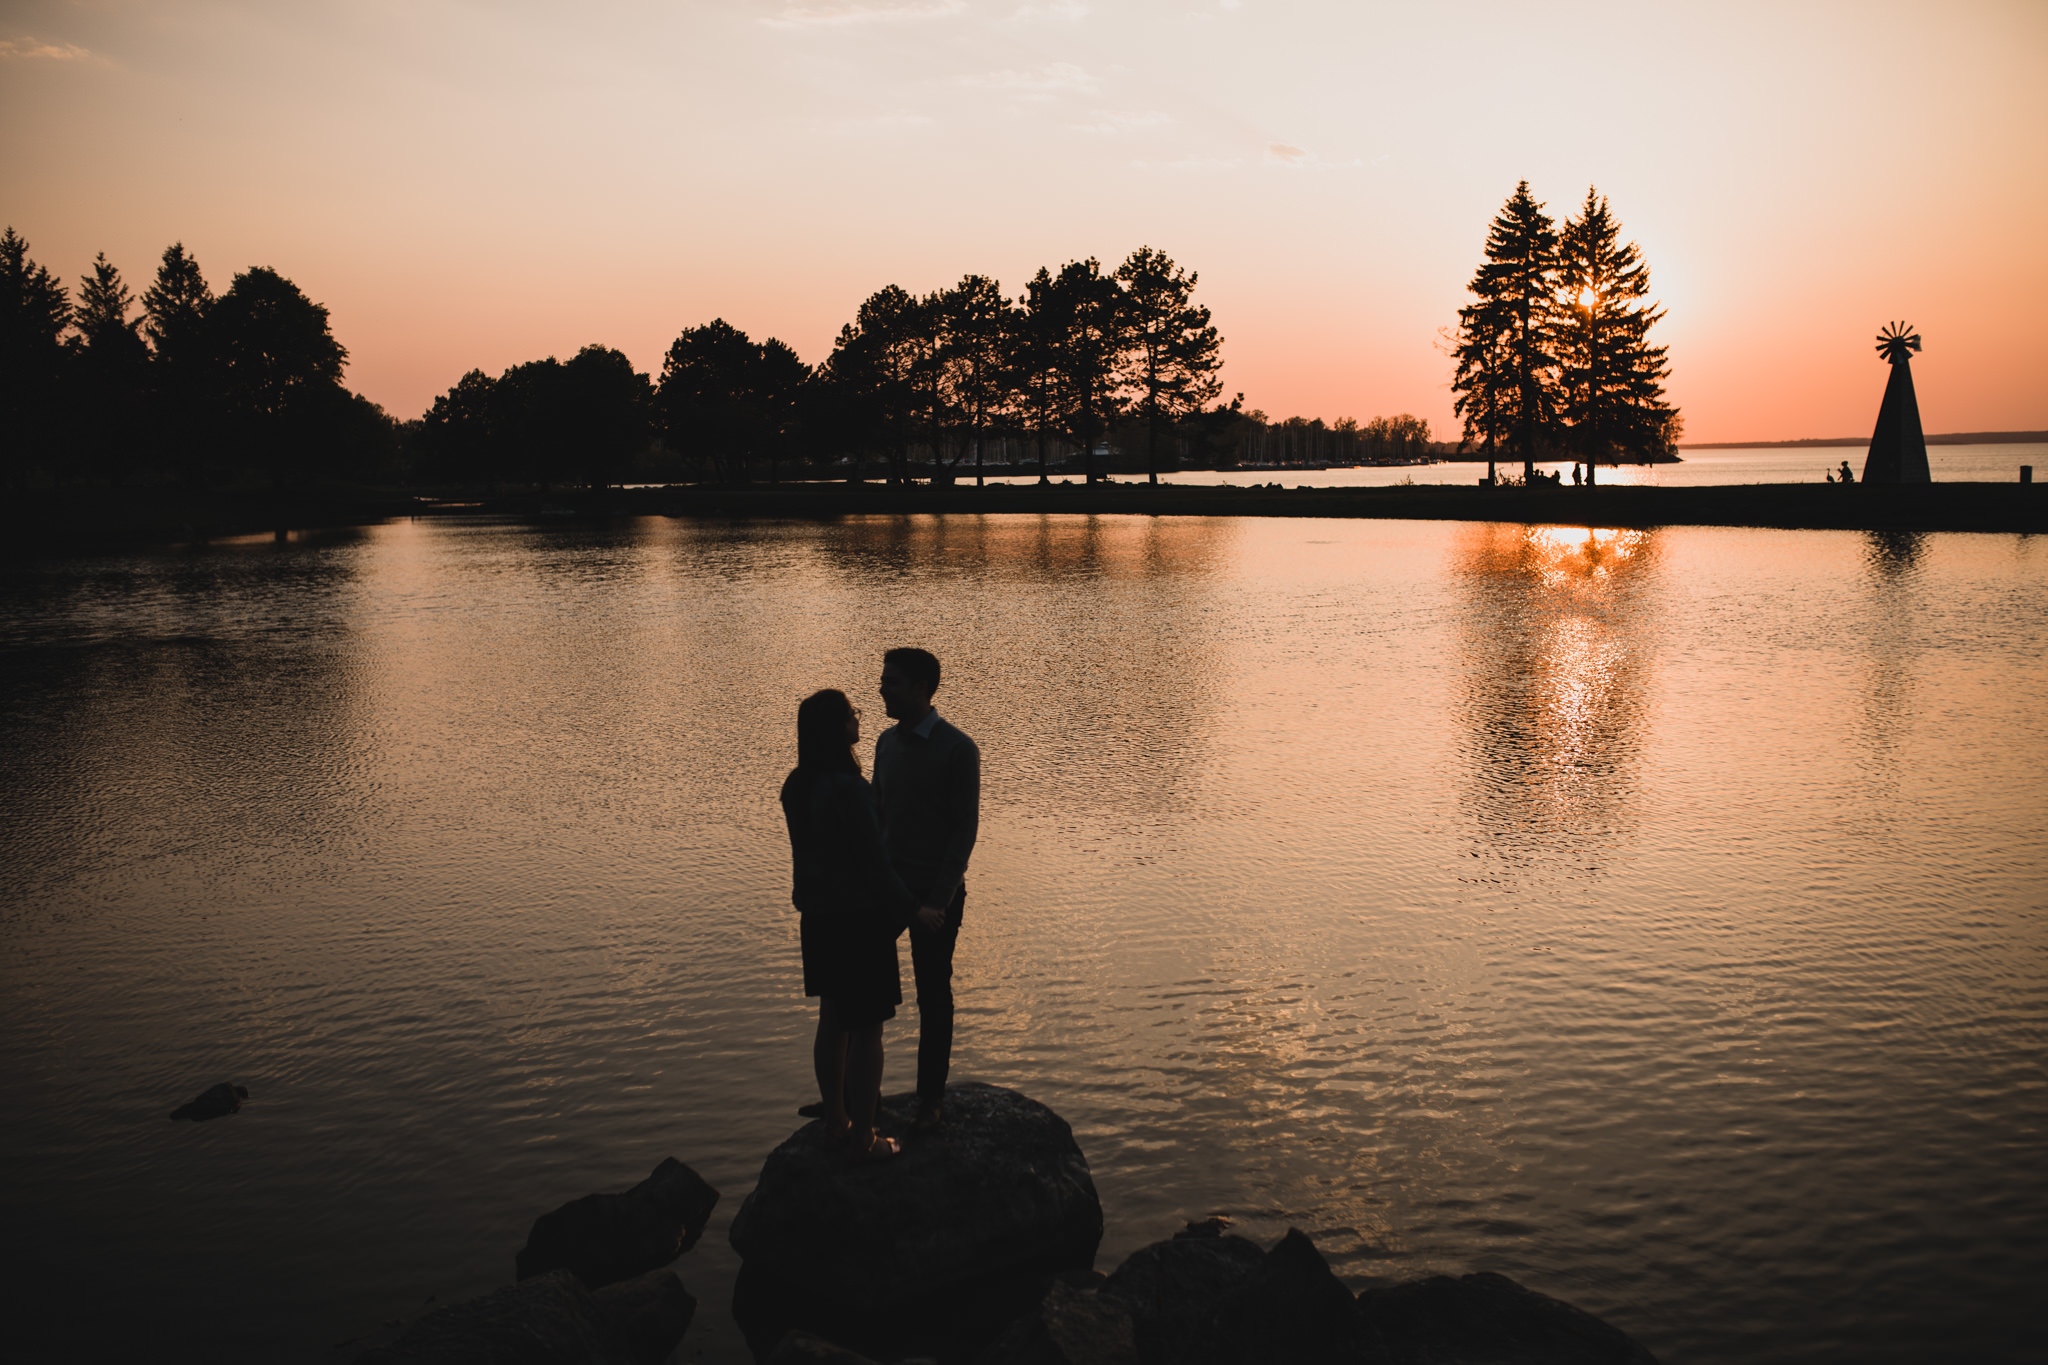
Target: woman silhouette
[(853, 906)]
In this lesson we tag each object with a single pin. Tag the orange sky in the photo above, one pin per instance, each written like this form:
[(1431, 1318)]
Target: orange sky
[(469, 185)]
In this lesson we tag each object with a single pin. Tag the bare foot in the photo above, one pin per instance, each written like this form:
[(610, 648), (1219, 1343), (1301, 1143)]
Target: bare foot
[(878, 1148)]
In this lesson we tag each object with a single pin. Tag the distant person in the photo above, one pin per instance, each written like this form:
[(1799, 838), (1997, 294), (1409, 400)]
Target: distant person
[(1848, 474), (853, 906), (1575, 475), (1830, 476), (928, 781)]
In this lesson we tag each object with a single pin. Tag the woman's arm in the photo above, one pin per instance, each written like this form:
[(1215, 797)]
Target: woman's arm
[(863, 859)]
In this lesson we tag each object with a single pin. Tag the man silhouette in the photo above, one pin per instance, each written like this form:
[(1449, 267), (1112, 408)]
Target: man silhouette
[(928, 784)]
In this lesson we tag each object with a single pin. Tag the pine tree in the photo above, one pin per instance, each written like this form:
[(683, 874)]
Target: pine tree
[(1507, 376), (184, 379), (1173, 352), (1613, 391), (111, 371), (34, 314)]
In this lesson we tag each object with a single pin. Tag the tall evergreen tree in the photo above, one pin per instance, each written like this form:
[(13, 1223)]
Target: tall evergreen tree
[(34, 315), (778, 386), (1612, 392), (1507, 376), (183, 376), (1172, 352), (111, 372)]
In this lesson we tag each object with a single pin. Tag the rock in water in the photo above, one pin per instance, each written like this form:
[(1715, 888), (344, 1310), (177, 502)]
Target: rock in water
[(1291, 1310), (605, 1238), (1075, 1325), (1485, 1317), (1173, 1289), (212, 1103), (1001, 1188), (550, 1320)]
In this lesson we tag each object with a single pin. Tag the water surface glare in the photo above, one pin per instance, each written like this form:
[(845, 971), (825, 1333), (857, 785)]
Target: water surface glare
[(1655, 917)]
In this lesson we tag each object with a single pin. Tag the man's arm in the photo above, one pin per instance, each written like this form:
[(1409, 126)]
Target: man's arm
[(963, 813)]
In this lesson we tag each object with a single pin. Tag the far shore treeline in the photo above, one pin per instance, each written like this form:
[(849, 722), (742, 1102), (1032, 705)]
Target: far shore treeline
[(1088, 370)]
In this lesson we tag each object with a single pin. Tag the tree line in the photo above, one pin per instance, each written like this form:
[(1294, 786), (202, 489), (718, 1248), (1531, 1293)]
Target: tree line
[(177, 384), (942, 378), (1553, 356)]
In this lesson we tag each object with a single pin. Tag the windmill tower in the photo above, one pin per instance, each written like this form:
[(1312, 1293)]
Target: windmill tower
[(1898, 448)]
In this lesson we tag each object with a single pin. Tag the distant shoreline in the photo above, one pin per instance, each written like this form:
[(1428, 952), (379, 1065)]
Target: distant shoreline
[(58, 524), (1952, 438)]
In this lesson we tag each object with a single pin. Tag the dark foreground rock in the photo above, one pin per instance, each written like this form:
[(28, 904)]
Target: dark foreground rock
[(1001, 1188), (605, 1238), (212, 1103), (1075, 1324), (1485, 1317), (1216, 1299), (550, 1320)]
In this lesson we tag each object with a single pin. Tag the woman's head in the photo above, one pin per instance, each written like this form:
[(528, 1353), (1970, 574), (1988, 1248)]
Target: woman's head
[(827, 728)]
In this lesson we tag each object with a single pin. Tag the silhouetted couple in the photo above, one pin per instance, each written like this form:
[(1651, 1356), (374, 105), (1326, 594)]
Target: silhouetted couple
[(869, 862)]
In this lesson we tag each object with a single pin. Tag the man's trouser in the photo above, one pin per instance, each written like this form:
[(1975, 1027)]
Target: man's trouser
[(931, 962)]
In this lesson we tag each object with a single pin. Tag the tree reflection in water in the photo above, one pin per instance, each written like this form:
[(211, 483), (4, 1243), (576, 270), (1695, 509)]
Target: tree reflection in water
[(1556, 648)]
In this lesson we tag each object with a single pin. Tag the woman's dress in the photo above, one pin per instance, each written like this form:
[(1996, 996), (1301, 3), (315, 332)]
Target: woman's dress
[(853, 904)]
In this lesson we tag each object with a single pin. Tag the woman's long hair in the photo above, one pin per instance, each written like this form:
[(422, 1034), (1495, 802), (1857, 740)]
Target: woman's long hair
[(821, 743)]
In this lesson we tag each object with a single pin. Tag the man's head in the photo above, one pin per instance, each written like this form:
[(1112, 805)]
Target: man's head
[(909, 678)]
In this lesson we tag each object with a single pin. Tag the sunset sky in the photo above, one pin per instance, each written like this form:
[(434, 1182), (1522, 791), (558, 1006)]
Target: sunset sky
[(472, 185)]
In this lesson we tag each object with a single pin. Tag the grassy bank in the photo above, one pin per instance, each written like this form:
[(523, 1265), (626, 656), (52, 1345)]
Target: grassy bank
[(74, 520)]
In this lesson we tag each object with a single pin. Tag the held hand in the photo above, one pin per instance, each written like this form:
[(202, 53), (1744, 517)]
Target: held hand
[(931, 918)]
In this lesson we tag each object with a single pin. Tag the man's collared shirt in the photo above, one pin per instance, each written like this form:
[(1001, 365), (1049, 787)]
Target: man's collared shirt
[(928, 783)]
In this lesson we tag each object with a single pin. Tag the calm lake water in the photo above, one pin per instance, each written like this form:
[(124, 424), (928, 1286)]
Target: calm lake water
[(1660, 918)]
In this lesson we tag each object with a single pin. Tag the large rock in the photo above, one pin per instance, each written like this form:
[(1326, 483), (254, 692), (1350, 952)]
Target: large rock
[(1173, 1289), (1000, 1190), (550, 1320), (1074, 1325), (1481, 1319), (1291, 1310), (605, 1238)]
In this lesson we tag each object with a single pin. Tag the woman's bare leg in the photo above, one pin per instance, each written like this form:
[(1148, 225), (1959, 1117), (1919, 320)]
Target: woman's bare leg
[(863, 1078), (829, 1060)]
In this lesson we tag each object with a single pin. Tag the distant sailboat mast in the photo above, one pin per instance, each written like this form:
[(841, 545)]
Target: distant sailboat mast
[(1898, 448)]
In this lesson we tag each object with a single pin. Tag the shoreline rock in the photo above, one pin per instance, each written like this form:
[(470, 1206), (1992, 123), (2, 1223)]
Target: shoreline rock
[(1000, 1189), (605, 1238)]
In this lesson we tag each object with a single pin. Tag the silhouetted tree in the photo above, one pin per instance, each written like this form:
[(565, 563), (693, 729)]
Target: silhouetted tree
[(531, 421), (703, 397), (874, 376), (111, 373), (279, 365), (184, 375), (455, 436), (34, 314), (606, 409), (1612, 394), (1171, 352), (1044, 317), (778, 388), (1088, 354), (1507, 379), (976, 339)]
